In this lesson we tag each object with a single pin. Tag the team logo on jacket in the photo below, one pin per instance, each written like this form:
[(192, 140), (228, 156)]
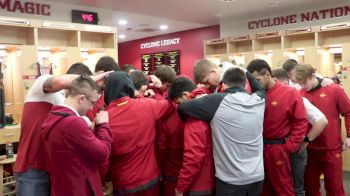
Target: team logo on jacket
[(322, 95), (274, 103)]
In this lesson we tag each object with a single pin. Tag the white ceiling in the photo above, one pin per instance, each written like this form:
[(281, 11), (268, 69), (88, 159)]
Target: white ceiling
[(182, 15)]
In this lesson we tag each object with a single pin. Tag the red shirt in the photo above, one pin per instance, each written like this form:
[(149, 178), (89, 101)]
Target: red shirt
[(170, 145), (74, 152), (331, 101), (285, 116), (197, 173), (31, 152), (133, 164)]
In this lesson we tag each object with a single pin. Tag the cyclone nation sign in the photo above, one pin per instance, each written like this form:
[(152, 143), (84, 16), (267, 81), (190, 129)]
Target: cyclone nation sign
[(25, 7), (303, 17)]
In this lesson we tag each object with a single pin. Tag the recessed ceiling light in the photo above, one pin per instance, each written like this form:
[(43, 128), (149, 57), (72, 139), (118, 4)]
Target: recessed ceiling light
[(121, 36), (122, 22), (218, 15), (163, 27), (275, 4), (227, 1)]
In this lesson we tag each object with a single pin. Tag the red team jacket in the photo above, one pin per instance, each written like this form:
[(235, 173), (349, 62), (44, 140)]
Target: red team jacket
[(285, 111), (170, 144), (74, 152), (99, 105), (331, 101), (197, 173), (133, 164)]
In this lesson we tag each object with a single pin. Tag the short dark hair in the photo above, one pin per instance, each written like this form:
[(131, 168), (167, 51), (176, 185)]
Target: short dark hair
[(234, 77), (259, 65), (138, 78), (83, 85), (280, 74), (289, 65), (106, 63), (79, 69), (165, 73), (127, 67), (180, 84)]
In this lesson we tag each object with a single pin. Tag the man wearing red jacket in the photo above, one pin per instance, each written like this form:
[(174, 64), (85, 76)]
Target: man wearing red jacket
[(317, 122), (324, 153), (133, 166), (74, 149), (32, 162), (170, 137), (285, 125), (197, 173)]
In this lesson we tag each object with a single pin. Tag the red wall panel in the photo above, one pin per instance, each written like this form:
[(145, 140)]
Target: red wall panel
[(191, 47)]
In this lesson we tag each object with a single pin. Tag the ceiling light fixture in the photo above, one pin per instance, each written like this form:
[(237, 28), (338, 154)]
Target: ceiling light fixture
[(227, 1), (163, 27), (218, 15), (122, 22), (121, 36)]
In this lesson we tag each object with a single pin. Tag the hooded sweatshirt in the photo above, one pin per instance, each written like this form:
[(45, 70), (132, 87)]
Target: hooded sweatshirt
[(74, 152), (133, 165)]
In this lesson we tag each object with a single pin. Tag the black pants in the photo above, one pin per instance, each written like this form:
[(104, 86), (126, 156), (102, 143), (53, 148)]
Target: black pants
[(298, 168), (225, 189)]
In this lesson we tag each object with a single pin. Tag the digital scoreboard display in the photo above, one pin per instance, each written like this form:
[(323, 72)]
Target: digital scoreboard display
[(79, 16)]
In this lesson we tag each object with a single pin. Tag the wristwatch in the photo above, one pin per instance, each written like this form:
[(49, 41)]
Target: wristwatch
[(307, 139)]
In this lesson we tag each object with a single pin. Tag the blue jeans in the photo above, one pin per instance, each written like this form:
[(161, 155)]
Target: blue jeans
[(33, 183)]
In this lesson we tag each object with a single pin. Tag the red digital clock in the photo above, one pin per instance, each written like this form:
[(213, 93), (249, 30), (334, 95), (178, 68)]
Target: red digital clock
[(79, 16)]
